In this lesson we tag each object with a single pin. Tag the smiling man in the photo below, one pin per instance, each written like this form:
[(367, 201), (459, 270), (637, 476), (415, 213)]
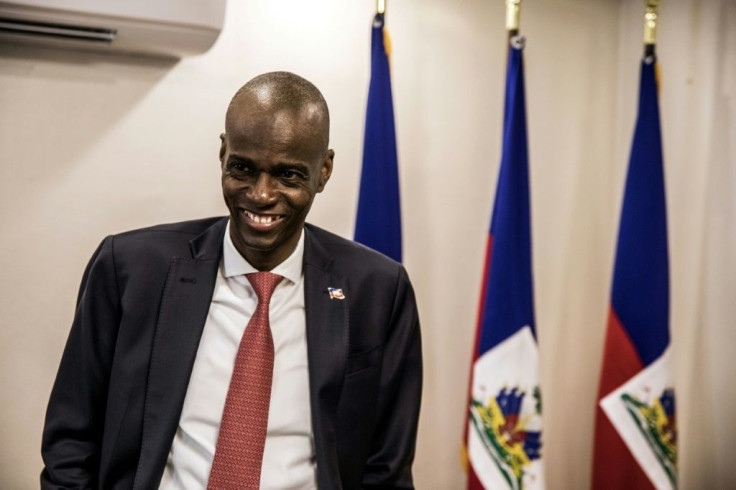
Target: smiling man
[(252, 351)]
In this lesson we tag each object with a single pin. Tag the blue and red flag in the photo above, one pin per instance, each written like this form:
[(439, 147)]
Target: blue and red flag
[(635, 436), (378, 223), (504, 424)]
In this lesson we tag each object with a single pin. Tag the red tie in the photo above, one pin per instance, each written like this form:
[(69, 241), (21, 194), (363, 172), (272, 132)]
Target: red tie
[(239, 452)]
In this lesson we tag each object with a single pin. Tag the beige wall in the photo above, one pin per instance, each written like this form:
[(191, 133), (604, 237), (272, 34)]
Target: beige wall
[(91, 145)]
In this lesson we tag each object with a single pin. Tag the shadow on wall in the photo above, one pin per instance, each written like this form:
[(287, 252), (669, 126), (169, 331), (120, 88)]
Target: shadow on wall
[(58, 103)]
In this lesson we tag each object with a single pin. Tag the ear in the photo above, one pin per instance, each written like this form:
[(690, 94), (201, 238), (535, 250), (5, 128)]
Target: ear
[(223, 148), (326, 170)]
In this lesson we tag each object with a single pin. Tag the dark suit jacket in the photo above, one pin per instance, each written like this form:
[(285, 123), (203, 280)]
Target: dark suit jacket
[(144, 298)]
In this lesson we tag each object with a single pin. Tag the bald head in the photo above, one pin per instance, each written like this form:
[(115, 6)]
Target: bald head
[(282, 92)]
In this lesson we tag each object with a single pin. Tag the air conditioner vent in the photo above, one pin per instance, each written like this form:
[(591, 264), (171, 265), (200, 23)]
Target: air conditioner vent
[(58, 31), (159, 28)]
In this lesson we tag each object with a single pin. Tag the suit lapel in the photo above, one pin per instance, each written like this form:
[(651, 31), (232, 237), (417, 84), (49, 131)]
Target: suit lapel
[(327, 347), (182, 315)]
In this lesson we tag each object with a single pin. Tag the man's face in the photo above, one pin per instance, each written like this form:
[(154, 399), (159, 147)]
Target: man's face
[(273, 163)]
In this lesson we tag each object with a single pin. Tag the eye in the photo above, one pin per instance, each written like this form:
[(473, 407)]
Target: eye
[(238, 167), (289, 174)]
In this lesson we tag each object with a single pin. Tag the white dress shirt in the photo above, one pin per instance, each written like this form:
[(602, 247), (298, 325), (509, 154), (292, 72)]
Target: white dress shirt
[(288, 456)]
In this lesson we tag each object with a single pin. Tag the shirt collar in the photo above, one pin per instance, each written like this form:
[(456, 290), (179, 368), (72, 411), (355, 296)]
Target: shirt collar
[(235, 264)]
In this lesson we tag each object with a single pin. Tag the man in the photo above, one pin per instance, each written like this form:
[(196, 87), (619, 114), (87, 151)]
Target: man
[(153, 387)]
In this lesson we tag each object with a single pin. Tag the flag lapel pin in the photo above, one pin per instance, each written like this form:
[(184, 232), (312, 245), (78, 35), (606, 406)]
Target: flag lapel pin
[(336, 293)]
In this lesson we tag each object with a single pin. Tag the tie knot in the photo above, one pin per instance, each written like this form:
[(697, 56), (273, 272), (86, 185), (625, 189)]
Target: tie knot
[(264, 283)]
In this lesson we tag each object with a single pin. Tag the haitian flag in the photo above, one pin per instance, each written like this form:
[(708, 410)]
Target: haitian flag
[(378, 224), (635, 436), (504, 425)]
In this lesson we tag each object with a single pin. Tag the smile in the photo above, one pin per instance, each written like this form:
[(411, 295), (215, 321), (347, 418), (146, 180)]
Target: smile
[(262, 219)]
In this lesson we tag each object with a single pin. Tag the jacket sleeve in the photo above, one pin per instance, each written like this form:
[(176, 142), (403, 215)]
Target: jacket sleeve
[(74, 419), (392, 452)]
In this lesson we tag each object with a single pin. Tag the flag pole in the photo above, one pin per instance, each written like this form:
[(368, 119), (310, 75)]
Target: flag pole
[(380, 6), (651, 15), (513, 12)]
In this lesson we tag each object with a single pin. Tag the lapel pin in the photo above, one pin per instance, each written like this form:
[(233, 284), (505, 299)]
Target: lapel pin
[(335, 293)]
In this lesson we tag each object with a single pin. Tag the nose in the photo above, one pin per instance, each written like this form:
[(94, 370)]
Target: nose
[(262, 192)]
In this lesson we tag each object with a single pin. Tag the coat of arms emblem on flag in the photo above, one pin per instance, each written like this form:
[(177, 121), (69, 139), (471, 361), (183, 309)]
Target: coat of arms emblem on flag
[(506, 419)]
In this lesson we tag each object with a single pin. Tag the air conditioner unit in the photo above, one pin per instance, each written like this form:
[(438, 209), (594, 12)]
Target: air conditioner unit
[(170, 28)]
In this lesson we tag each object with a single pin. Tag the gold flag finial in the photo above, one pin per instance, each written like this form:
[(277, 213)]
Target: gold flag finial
[(650, 22), (513, 12), (380, 6)]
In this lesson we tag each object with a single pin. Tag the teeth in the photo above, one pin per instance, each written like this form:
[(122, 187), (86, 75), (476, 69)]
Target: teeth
[(261, 219)]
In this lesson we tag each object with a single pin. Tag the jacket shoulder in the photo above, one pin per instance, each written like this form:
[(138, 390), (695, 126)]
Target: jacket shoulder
[(191, 228), (183, 230), (161, 241)]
